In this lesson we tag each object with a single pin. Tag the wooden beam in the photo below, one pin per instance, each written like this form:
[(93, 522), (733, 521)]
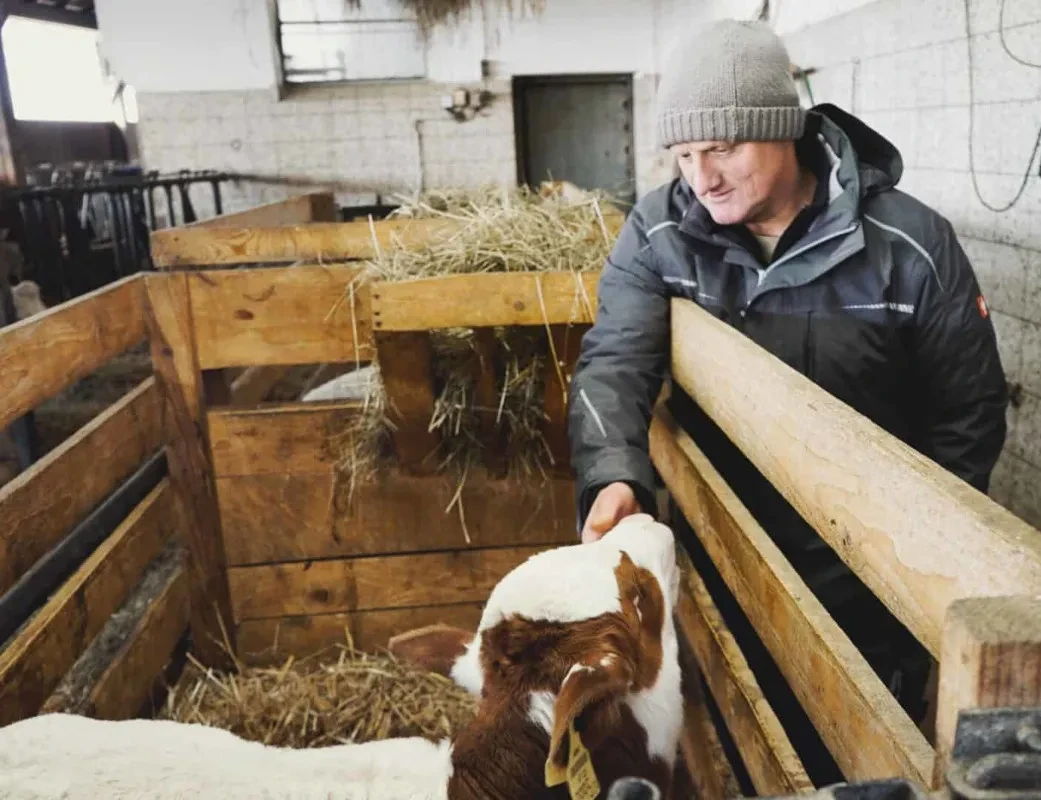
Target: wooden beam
[(808, 646), (310, 242), (115, 675), (35, 660), (42, 355), (272, 641), (711, 772), (180, 389), (567, 342), (991, 659), (270, 518), (280, 316), (46, 500), (406, 370), (369, 583), (485, 299), (772, 762), (299, 209), (915, 534)]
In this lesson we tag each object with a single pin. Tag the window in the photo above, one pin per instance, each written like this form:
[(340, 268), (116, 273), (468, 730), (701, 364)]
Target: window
[(344, 40), (55, 73)]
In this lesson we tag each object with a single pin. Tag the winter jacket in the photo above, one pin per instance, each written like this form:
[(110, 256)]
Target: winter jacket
[(869, 295)]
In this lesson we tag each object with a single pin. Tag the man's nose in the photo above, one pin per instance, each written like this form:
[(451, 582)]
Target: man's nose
[(705, 178)]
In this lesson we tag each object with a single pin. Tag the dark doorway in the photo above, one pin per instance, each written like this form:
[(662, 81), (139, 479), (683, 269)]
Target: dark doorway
[(577, 128)]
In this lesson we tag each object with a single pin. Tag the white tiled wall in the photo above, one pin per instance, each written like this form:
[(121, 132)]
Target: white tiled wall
[(368, 139), (903, 67)]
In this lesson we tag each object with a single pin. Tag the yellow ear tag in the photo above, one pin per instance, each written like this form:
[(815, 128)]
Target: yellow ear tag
[(581, 778)]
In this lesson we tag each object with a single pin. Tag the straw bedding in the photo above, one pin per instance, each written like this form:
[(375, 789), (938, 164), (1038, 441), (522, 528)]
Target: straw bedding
[(517, 230), (339, 696)]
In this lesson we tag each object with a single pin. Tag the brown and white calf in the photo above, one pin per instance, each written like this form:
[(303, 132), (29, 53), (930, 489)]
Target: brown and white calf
[(578, 640)]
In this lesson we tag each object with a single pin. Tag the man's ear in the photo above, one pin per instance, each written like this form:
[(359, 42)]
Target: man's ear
[(435, 648), (590, 699)]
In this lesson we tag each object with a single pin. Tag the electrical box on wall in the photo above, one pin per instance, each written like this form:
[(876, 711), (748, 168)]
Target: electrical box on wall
[(463, 104)]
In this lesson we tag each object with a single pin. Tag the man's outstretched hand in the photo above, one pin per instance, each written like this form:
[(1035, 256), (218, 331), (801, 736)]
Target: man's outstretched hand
[(614, 502)]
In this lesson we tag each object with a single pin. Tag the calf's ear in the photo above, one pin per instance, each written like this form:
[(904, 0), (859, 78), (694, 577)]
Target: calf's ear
[(434, 648), (589, 701)]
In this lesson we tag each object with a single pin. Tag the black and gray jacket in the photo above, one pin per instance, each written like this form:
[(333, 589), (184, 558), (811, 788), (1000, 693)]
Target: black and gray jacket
[(869, 294)]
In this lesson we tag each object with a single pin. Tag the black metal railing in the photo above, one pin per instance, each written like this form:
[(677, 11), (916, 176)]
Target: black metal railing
[(84, 226)]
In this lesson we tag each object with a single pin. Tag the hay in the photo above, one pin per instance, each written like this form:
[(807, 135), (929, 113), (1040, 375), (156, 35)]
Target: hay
[(516, 230), (338, 696), (500, 230)]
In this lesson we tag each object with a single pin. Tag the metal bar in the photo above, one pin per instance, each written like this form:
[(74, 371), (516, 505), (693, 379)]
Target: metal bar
[(217, 204), (31, 591)]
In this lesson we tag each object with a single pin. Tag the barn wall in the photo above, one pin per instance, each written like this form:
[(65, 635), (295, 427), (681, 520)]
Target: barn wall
[(903, 67), (205, 74)]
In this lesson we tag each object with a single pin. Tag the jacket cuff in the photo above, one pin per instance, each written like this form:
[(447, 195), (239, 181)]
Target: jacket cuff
[(629, 466)]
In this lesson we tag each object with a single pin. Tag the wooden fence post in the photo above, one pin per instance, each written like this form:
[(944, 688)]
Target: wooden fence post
[(180, 385), (991, 658)]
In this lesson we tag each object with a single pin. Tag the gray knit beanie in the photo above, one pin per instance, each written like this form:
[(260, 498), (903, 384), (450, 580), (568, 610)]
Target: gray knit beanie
[(729, 81)]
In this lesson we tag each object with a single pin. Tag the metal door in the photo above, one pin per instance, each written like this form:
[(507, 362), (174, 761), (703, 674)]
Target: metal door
[(576, 128)]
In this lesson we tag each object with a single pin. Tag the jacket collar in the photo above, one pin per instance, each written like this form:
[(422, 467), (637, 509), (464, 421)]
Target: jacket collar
[(834, 234)]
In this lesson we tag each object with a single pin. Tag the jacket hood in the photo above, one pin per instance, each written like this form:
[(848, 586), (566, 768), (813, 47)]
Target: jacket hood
[(879, 165)]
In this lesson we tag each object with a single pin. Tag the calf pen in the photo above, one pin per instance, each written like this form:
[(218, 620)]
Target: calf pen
[(189, 514)]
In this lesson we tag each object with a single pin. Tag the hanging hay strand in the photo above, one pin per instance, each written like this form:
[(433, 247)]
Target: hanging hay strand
[(338, 696)]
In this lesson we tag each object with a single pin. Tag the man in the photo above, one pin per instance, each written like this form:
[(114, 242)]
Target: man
[(786, 224)]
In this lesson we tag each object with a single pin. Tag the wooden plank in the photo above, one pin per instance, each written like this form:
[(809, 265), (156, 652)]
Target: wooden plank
[(311, 242), (271, 518), (271, 641), (125, 685), (290, 438), (701, 749), (567, 342), (485, 299), (408, 380), (807, 645), (486, 401), (115, 668), (180, 389), (41, 504), (299, 209), (768, 754), (42, 355), (991, 659), (372, 582), (279, 316), (915, 534), (37, 657)]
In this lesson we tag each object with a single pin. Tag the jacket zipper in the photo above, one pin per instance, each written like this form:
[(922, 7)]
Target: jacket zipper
[(789, 256)]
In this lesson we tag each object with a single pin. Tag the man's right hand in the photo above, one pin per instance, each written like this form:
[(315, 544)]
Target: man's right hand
[(614, 502)]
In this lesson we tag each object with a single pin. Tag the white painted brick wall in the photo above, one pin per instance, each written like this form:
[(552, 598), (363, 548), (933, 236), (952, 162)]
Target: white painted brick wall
[(903, 67), (362, 136)]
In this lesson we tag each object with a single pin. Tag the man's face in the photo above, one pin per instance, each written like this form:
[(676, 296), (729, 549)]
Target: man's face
[(736, 182)]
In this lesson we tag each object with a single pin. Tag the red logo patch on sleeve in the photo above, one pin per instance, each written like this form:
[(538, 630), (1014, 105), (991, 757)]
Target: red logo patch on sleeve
[(981, 304)]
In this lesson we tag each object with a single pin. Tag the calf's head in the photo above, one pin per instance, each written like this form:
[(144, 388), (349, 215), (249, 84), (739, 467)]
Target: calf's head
[(575, 649)]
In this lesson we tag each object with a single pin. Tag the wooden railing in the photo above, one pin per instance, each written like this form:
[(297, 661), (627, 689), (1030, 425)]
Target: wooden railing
[(931, 547), (73, 547)]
